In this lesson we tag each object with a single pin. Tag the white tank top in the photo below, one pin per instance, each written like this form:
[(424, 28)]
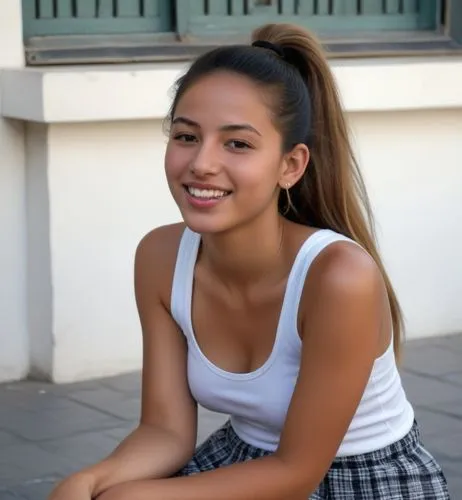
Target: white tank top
[(257, 402)]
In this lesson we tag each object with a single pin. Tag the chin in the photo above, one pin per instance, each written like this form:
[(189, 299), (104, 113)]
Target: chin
[(206, 224)]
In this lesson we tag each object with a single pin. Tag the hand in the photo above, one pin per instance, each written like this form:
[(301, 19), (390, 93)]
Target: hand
[(75, 487)]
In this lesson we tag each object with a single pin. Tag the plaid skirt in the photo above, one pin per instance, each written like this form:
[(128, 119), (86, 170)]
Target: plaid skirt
[(401, 471)]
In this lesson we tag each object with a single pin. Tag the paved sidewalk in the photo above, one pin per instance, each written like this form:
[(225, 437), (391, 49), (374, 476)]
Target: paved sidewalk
[(47, 432)]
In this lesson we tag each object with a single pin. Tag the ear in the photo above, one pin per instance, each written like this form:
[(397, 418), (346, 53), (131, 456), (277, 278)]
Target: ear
[(294, 165)]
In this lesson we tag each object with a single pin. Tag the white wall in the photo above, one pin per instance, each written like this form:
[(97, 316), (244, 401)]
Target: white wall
[(13, 320), (11, 48), (107, 189), (413, 167), (39, 279)]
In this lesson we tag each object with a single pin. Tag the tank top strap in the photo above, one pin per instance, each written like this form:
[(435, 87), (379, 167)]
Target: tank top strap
[(308, 252), (183, 279)]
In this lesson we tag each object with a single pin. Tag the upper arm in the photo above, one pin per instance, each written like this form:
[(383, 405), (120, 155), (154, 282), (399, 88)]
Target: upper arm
[(166, 399), (341, 324)]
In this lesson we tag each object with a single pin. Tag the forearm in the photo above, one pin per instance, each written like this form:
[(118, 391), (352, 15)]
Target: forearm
[(262, 479), (148, 453)]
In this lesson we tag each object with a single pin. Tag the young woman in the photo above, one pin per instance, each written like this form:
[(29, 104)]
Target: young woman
[(270, 303)]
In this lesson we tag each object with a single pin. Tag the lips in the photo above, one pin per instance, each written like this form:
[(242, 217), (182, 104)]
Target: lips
[(205, 197), (206, 193)]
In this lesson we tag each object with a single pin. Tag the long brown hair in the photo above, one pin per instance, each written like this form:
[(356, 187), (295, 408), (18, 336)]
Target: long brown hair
[(332, 193), (290, 63)]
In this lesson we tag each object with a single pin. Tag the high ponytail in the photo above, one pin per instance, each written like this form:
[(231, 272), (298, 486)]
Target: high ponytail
[(332, 193), (289, 64)]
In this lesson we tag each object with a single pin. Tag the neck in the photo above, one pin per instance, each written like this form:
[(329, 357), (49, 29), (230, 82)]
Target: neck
[(245, 254)]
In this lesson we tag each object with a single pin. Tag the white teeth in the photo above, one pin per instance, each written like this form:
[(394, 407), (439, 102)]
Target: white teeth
[(206, 193)]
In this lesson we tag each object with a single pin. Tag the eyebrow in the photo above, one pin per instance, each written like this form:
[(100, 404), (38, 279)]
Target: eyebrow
[(227, 128)]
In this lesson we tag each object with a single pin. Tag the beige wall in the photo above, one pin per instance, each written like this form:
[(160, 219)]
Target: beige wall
[(107, 189), (13, 318), (411, 161), (39, 279)]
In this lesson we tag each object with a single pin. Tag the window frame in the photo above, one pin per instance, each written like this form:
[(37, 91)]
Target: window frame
[(180, 46)]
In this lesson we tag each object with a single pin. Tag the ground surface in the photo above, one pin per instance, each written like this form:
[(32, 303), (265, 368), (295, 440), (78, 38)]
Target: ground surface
[(47, 431)]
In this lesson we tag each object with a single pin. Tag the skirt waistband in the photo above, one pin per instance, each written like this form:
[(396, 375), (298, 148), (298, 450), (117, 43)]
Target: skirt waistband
[(405, 445)]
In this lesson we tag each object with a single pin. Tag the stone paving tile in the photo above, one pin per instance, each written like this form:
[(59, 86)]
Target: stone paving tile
[(455, 486), (68, 418), (452, 408), (34, 490), (120, 404), (26, 461), (10, 473), (448, 447), (453, 476), (429, 391), (32, 400), (23, 392), (81, 449), (432, 360), (130, 382), (451, 342), (10, 495), (454, 378), (433, 423), (6, 439)]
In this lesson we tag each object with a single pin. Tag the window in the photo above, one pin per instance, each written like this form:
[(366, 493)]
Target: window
[(95, 17), (76, 31)]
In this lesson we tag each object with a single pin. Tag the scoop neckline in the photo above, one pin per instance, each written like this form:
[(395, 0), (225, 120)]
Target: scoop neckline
[(272, 356)]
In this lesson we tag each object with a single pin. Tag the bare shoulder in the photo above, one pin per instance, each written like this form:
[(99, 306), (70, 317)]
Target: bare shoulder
[(343, 272), (155, 259), (161, 241), (344, 264)]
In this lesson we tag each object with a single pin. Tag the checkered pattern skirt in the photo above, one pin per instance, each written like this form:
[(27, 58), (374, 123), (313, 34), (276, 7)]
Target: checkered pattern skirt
[(401, 471)]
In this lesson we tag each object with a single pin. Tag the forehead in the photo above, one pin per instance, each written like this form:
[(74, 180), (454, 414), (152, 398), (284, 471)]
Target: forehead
[(226, 97)]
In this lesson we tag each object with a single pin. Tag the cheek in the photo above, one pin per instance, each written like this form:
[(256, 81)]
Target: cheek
[(174, 161), (260, 175)]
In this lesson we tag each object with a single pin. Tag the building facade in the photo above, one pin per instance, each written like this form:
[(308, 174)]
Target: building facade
[(85, 85)]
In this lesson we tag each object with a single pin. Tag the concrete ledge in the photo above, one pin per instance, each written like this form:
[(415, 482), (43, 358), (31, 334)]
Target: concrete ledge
[(142, 91)]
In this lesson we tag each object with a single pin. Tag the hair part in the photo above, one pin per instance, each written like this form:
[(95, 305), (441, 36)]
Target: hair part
[(306, 109)]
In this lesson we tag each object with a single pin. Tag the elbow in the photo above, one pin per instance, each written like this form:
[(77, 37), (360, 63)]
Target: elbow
[(180, 431), (181, 440)]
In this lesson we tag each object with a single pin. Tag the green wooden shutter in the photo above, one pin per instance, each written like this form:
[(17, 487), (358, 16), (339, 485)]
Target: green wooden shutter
[(202, 18), (95, 17)]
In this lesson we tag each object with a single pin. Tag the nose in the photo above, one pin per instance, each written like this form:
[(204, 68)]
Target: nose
[(205, 162)]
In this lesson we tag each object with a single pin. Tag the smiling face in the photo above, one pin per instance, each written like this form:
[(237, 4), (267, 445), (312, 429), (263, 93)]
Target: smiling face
[(224, 160)]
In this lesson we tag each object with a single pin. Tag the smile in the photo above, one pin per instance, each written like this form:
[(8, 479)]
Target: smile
[(206, 194)]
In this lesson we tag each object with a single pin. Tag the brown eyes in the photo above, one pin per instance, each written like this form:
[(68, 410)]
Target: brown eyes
[(233, 144), (184, 138), (239, 145)]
